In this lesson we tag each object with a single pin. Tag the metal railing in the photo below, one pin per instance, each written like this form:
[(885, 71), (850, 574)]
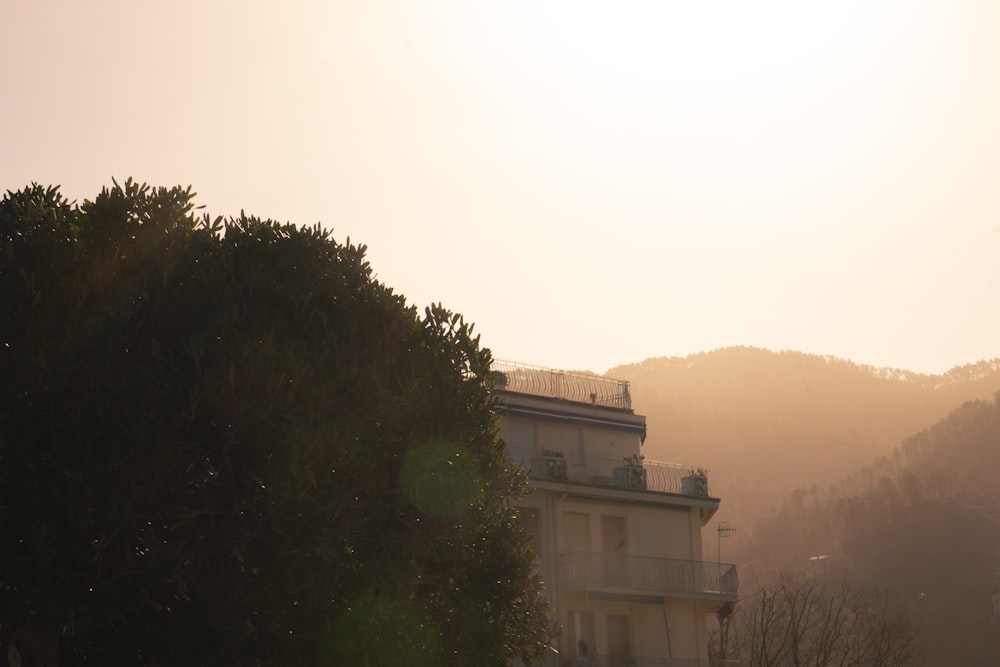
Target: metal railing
[(647, 574), (656, 476), (550, 383)]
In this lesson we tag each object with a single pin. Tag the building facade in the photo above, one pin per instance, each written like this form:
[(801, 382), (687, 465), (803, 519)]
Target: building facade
[(617, 536)]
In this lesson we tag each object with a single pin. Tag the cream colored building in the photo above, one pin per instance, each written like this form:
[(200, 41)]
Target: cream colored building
[(619, 544)]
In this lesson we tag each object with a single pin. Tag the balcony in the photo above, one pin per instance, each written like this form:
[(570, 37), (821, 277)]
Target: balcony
[(640, 575), (651, 476)]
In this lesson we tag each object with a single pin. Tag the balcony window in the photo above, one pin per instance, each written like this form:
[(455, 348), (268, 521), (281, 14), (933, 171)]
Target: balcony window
[(522, 434), (619, 641), (575, 531), (581, 638), (577, 449), (613, 545)]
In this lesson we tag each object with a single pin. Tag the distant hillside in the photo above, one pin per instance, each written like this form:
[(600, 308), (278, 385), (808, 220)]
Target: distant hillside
[(922, 523), (767, 423)]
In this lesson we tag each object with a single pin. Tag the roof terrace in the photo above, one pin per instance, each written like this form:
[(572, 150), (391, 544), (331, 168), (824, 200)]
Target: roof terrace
[(564, 385)]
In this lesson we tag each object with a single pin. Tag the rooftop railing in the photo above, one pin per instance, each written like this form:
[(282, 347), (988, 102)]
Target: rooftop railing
[(656, 476), (567, 385), (582, 569)]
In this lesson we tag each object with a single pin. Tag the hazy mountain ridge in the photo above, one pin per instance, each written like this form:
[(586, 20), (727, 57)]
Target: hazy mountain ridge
[(766, 423), (890, 474)]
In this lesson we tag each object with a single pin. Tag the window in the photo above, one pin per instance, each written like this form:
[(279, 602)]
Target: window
[(613, 550), (575, 532), (619, 641), (578, 447), (580, 638), (522, 434)]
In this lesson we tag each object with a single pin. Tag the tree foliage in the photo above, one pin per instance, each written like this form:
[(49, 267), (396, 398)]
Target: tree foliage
[(225, 442)]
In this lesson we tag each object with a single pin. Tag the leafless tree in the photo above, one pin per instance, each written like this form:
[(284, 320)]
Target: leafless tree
[(799, 622)]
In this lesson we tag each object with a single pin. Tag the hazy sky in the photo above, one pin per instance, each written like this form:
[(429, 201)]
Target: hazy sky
[(590, 183)]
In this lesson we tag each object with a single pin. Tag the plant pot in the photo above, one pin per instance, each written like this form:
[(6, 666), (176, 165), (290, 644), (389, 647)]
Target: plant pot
[(630, 477), (554, 467), (695, 485)]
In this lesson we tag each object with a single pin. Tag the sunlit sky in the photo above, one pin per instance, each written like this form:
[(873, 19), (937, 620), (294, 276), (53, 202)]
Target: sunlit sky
[(590, 183)]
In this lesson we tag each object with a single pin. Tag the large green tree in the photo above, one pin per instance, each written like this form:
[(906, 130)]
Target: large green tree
[(225, 442)]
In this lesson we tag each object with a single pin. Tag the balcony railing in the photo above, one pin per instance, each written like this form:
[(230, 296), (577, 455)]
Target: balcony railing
[(655, 476), (550, 383), (587, 569)]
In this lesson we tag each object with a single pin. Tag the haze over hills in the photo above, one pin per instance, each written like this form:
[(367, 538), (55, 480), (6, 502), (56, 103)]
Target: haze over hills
[(891, 476), (768, 423), (922, 524)]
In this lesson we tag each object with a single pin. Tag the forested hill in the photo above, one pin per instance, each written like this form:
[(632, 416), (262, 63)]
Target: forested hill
[(922, 523), (768, 423)]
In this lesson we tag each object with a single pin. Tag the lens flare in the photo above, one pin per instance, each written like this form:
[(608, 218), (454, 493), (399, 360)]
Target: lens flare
[(440, 479)]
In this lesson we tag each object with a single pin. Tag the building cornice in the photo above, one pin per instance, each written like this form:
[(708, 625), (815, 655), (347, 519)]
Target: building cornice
[(571, 412)]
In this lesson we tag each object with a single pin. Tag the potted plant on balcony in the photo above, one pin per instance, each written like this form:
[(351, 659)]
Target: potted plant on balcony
[(555, 463), (632, 475), (695, 483)]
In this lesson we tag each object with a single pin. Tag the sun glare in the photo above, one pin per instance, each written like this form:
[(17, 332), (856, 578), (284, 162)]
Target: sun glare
[(694, 43)]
